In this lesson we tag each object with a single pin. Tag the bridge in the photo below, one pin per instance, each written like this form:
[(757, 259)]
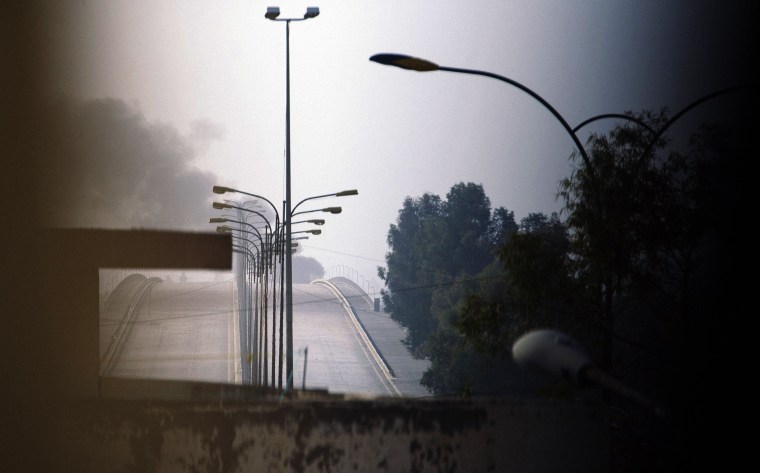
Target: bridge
[(152, 328), (146, 379)]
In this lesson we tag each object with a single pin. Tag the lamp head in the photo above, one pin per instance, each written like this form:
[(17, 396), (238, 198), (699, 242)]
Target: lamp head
[(345, 193), (551, 351), (333, 210), (311, 12), (221, 189), (272, 13), (217, 220), (220, 205), (404, 62), (317, 221)]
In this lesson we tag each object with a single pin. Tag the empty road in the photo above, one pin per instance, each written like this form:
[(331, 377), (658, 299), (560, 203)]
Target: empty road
[(190, 331)]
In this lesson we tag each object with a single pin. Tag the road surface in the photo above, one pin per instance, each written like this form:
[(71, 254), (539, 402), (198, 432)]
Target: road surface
[(191, 331), (180, 331)]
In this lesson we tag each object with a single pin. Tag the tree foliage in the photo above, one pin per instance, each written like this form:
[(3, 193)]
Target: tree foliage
[(629, 272), (640, 271), (433, 243), (440, 251)]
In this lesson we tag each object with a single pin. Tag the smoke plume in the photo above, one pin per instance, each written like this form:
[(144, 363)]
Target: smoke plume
[(105, 165)]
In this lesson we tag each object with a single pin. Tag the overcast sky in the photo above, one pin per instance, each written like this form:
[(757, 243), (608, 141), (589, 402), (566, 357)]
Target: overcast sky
[(173, 96)]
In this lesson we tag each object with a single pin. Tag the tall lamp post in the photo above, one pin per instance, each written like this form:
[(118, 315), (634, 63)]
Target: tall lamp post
[(273, 14)]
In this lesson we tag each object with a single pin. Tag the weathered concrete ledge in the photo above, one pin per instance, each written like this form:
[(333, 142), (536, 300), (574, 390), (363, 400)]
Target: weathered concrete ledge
[(335, 435)]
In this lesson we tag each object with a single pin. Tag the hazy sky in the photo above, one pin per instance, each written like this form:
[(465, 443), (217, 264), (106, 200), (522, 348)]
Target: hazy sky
[(173, 96)]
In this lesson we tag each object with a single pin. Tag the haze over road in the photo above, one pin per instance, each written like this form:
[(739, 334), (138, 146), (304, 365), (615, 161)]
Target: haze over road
[(181, 331), (191, 331)]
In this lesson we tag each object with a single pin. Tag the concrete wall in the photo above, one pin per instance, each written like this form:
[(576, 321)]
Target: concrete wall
[(329, 435)]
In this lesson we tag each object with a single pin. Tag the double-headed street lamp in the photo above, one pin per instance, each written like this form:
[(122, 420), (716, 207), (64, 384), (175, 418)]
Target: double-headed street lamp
[(273, 14)]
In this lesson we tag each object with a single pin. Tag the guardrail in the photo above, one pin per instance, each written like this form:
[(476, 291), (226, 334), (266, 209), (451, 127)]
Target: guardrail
[(135, 299), (366, 338)]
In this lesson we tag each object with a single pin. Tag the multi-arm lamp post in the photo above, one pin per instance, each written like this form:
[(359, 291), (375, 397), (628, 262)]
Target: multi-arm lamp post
[(265, 256), (261, 280), (278, 243)]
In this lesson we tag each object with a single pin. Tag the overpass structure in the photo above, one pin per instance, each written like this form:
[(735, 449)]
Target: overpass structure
[(192, 331), (88, 390)]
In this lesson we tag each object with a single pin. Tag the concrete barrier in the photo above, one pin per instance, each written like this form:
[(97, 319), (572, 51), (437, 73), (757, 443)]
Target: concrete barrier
[(331, 435)]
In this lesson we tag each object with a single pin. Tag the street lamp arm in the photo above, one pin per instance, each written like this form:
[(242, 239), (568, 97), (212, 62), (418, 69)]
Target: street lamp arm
[(226, 229), (222, 190), (686, 109), (316, 221), (229, 220), (332, 210), (614, 115), (315, 231), (528, 91), (334, 194), (423, 65), (244, 250), (220, 205), (658, 133)]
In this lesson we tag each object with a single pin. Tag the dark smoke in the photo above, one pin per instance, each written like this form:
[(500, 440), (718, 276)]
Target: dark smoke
[(109, 167)]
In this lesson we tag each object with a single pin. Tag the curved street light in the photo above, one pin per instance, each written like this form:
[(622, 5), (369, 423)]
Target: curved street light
[(335, 194), (330, 210), (224, 205), (223, 190), (315, 231), (315, 221), (422, 65)]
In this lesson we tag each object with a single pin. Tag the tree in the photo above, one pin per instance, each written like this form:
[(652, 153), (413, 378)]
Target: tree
[(407, 276), (529, 284), (440, 250), (643, 273), (433, 243), (614, 204)]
